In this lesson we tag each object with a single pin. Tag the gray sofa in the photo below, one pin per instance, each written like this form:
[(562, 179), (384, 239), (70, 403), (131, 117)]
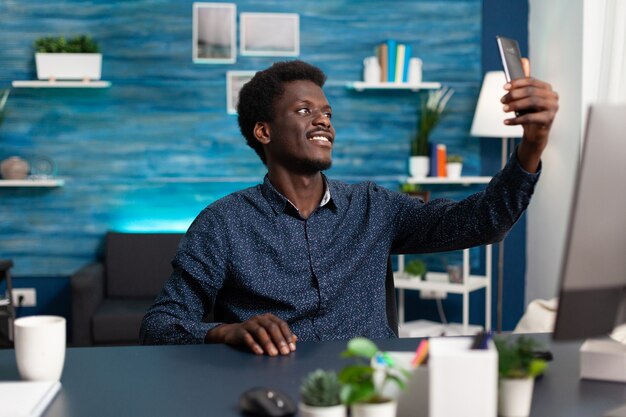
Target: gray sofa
[(110, 298)]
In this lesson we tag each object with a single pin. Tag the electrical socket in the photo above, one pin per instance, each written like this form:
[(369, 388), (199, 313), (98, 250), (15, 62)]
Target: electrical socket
[(29, 294), (433, 294)]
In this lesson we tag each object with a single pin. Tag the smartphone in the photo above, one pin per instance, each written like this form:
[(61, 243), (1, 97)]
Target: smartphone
[(511, 58), (511, 61)]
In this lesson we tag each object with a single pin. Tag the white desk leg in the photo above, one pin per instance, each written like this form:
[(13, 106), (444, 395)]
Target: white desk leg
[(400, 306), (466, 274), (488, 252)]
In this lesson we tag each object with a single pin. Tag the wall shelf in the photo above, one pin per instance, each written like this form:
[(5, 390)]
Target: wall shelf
[(33, 183), (362, 86), (444, 180), (60, 84)]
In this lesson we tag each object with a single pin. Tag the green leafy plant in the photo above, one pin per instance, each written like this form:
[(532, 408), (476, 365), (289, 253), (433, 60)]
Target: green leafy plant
[(364, 381), (410, 188), (4, 96), (321, 389), (454, 158), (431, 112), (416, 268), (516, 358), (58, 44)]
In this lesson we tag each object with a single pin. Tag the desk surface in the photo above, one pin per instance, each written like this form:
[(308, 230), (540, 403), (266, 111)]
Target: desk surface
[(206, 380)]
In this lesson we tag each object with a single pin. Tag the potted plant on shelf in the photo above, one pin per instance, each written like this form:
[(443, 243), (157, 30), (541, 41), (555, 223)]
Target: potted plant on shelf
[(431, 111), (319, 394), (416, 268), (517, 368), (414, 190), (76, 58), (454, 166), (363, 383)]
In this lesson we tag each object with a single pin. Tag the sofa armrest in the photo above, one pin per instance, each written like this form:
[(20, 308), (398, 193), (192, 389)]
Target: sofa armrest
[(87, 294)]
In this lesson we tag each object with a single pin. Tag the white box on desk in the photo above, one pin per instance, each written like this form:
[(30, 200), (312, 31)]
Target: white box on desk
[(603, 359), (457, 381)]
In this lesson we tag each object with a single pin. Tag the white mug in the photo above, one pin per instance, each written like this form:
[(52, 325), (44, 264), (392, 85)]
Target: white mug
[(40, 347), (415, 71)]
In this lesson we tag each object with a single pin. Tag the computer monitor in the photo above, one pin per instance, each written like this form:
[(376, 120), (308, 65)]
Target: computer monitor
[(592, 296)]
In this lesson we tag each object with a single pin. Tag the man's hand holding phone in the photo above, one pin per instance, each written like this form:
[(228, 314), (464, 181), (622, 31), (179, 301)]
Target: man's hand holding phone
[(534, 102)]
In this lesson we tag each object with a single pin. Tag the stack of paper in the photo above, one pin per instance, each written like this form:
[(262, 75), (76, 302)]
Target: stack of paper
[(26, 399)]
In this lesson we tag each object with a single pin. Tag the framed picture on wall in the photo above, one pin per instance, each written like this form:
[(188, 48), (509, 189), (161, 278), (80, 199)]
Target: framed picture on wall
[(269, 34), (234, 81), (214, 33)]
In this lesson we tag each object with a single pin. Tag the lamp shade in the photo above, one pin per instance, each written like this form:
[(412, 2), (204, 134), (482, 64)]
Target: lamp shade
[(489, 116)]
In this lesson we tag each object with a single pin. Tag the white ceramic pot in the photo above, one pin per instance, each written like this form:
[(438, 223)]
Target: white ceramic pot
[(387, 409), (14, 168), (454, 169), (40, 347), (334, 411), (515, 397), (65, 66), (419, 166)]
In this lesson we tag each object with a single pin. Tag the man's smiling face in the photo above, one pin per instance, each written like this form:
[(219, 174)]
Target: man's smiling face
[(301, 134)]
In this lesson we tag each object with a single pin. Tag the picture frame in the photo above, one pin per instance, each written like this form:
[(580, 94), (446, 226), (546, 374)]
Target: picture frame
[(269, 34), (234, 81), (214, 33)]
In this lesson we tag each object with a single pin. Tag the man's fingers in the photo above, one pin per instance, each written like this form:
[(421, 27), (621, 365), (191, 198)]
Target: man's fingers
[(274, 326), (263, 338), (526, 66), (534, 104), (251, 343), (543, 119)]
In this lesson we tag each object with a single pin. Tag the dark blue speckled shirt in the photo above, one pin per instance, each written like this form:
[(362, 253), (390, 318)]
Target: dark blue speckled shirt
[(251, 253)]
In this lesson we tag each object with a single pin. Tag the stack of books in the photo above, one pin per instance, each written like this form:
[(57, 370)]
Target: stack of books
[(438, 159), (394, 61)]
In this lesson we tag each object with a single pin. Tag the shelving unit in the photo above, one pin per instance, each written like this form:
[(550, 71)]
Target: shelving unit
[(60, 84), (50, 183), (362, 86), (439, 282)]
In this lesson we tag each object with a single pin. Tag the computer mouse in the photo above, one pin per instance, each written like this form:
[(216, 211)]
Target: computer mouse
[(266, 402)]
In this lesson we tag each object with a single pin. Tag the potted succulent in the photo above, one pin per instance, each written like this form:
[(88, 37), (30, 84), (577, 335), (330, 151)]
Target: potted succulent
[(431, 111), (454, 166), (414, 190), (76, 58), (416, 268), (363, 383), (517, 368), (319, 394)]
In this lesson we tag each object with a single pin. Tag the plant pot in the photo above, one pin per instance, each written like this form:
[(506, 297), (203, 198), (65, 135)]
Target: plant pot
[(454, 169), (515, 397), (14, 168), (419, 166), (386, 409), (333, 411), (66, 66)]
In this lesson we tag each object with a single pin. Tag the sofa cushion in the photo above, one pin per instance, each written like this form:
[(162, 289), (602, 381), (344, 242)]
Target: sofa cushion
[(118, 321), (138, 264)]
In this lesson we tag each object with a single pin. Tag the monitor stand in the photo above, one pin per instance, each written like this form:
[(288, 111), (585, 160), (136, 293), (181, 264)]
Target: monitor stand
[(604, 360)]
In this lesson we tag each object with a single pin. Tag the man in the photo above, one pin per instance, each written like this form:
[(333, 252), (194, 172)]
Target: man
[(302, 257)]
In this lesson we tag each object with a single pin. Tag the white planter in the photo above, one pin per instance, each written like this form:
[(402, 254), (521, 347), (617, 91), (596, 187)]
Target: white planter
[(334, 411), (454, 169), (419, 166), (515, 397), (64, 66), (387, 409)]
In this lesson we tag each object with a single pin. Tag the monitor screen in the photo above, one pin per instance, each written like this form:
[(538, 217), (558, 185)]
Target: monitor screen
[(593, 271)]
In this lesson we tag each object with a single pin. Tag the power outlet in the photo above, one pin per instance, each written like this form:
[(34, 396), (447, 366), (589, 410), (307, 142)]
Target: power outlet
[(433, 294), (29, 297)]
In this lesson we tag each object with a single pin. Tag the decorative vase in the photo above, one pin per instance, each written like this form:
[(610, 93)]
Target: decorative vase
[(68, 66), (419, 166), (515, 396), (14, 168), (386, 409), (371, 70), (454, 169), (333, 411)]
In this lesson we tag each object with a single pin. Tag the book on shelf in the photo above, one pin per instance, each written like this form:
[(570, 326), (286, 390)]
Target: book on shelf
[(392, 46), (393, 58), (382, 59), (438, 155), (405, 66), (400, 51)]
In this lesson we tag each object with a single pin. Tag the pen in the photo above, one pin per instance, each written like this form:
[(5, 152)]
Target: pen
[(481, 339), (420, 353)]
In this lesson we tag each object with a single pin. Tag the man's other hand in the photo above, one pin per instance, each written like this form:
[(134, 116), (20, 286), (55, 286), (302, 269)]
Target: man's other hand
[(264, 334)]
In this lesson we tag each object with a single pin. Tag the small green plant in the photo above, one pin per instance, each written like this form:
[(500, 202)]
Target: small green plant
[(454, 158), (409, 188), (4, 96), (364, 381), (416, 268), (431, 112), (516, 358), (58, 44), (321, 389)]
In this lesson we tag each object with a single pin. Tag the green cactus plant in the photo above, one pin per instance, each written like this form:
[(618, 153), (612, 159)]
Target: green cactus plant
[(320, 389)]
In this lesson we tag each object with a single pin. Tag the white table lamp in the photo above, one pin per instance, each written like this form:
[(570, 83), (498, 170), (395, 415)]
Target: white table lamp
[(489, 123)]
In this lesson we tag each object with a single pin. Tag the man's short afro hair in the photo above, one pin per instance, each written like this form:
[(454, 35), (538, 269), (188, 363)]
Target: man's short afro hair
[(257, 96)]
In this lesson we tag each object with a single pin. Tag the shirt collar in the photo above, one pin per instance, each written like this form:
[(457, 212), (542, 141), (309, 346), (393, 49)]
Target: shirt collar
[(279, 202)]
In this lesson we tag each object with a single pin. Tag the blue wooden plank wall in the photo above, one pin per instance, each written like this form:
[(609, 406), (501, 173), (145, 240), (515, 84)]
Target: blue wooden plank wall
[(151, 151)]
